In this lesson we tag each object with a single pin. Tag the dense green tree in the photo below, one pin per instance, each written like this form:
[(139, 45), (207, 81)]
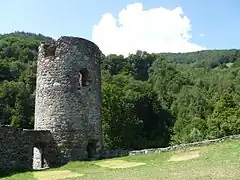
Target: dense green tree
[(224, 120), (167, 81), (148, 100)]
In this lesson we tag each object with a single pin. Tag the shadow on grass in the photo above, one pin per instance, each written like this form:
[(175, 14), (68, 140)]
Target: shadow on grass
[(20, 171), (107, 154), (13, 172)]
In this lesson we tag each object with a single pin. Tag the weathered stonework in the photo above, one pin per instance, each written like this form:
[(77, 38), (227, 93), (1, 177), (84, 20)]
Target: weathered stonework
[(68, 97), (67, 109), (67, 112), (16, 147)]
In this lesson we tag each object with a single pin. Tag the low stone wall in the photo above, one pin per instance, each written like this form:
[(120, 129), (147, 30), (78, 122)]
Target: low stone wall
[(16, 147), (184, 146), (108, 153), (121, 152)]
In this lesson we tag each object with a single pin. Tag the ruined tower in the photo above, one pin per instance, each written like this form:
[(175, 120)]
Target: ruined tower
[(68, 100)]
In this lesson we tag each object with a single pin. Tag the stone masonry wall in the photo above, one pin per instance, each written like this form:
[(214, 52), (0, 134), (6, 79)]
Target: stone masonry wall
[(16, 147), (121, 152), (68, 96), (184, 146)]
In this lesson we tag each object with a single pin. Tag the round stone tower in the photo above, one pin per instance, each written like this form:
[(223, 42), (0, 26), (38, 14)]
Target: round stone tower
[(68, 98)]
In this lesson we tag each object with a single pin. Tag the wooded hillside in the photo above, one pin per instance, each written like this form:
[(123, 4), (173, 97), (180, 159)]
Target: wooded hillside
[(149, 100)]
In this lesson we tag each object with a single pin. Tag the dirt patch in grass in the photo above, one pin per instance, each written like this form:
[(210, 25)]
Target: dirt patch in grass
[(54, 175), (118, 164), (183, 156)]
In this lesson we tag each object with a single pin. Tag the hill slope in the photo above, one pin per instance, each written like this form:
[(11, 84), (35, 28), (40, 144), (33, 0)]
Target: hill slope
[(205, 58), (219, 161), (149, 100)]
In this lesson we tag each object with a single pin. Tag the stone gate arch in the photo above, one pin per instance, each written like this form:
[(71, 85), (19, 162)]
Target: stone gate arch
[(40, 157)]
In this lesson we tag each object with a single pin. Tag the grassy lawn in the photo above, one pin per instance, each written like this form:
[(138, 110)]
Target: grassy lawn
[(219, 161)]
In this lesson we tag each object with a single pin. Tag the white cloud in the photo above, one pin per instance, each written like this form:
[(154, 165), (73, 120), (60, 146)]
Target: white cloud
[(202, 35), (153, 30)]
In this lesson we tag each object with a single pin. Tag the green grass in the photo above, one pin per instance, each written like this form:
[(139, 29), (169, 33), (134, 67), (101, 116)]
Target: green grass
[(219, 161)]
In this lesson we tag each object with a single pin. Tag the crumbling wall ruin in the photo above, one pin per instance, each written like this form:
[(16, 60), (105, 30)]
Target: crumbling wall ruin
[(68, 97), (67, 109), (16, 148)]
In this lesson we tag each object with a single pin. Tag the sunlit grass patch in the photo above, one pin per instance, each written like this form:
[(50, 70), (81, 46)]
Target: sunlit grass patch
[(216, 161), (183, 156), (54, 175), (118, 164)]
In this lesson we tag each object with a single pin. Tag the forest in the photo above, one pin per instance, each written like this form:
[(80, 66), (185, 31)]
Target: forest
[(148, 100)]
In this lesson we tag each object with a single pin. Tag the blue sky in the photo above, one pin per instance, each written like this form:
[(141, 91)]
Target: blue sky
[(217, 20)]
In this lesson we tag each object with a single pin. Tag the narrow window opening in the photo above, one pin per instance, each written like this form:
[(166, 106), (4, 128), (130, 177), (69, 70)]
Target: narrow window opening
[(83, 78), (49, 49)]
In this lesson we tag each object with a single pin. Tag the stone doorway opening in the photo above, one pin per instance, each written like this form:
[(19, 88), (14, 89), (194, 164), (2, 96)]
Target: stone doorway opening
[(92, 149), (39, 161)]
